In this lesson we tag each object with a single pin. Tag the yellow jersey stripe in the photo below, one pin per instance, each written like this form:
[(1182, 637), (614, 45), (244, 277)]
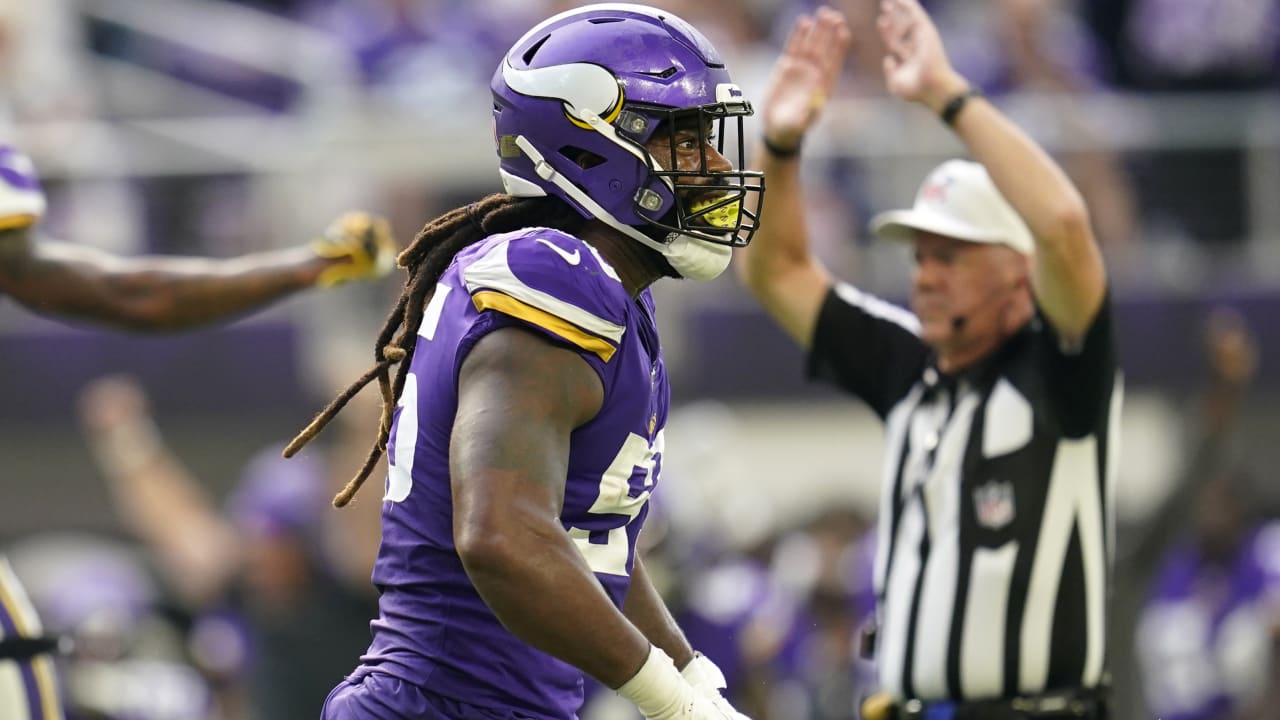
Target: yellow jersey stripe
[(47, 687), (9, 603), (492, 272), (489, 300), (12, 222)]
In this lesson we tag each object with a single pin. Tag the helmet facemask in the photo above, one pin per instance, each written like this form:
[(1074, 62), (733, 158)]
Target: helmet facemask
[(716, 206)]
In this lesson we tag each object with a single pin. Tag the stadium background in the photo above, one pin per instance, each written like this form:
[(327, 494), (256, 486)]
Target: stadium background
[(216, 127)]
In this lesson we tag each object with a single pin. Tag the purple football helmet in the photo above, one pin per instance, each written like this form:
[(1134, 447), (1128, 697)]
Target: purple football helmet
[(577, 98)]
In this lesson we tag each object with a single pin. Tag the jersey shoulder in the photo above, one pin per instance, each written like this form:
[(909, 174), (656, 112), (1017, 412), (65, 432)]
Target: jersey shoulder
[(22, 201), (554, 281)]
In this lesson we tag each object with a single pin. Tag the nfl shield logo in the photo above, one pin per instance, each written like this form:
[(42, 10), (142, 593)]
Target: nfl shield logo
[(993, 504)]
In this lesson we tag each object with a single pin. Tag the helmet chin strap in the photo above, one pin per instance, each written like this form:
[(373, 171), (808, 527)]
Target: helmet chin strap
[(690, 257)]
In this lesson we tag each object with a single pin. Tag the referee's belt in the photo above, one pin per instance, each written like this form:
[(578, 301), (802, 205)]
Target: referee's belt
[(1074, 704)]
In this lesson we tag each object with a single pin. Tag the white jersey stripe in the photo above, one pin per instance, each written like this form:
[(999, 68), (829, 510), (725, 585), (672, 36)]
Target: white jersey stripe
[(1112, 463), (876, 307), (895, 433), (902, 578), (982, 639), (1095, 567), (1074, 473), (937, 597), (493, 272)]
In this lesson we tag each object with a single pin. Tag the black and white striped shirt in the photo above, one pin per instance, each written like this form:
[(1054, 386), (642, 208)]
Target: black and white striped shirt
[(996, 522)]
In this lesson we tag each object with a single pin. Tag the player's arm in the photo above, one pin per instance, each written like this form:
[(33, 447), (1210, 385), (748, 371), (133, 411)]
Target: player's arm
[(1069, 280), (779, 266), (519, 399), (163, 293), (645, 608)]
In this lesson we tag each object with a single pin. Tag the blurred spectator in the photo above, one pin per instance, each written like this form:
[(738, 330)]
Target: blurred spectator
[(1049, 51), (1192, 46), (828, 567), (263, 564), (127, 659), (1206, 45), (1155, 567), (42, 63), (423, 54), (1207, 639)]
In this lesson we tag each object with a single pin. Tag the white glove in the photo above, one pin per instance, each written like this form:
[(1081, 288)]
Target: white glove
[(661, 693), (21, 199), (706, 677)]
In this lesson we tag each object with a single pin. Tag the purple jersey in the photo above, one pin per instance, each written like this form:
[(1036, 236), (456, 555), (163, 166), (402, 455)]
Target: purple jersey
[(434, 630)]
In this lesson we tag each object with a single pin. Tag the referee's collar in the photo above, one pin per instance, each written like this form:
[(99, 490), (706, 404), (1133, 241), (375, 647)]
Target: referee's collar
[(981, 372)]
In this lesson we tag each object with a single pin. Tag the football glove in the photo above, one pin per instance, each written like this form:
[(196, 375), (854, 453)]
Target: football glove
[(364, 241), (662, 693), (706, 677), (21, 199)]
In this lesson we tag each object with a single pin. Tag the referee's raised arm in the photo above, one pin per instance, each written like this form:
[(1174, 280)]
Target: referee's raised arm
[(779, 266), (1068, 278)]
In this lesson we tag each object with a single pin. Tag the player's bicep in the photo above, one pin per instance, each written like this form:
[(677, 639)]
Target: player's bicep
[(520, 397)]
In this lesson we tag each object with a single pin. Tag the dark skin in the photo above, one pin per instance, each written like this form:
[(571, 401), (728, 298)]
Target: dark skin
[(146, 294), (519, 399)]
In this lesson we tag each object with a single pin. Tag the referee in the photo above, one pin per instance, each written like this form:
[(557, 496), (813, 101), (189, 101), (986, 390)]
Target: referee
[(999, 391)]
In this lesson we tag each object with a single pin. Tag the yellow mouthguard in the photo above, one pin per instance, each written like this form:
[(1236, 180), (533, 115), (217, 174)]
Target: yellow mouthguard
[(725, 217)]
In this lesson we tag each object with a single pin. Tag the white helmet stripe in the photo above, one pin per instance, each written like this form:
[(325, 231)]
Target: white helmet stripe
[(582, 86)]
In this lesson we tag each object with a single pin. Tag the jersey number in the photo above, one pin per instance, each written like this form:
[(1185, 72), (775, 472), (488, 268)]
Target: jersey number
[(614, 494)]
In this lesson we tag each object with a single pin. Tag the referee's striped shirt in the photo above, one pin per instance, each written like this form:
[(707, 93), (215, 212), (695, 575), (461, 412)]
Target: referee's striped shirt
[(996, 522)]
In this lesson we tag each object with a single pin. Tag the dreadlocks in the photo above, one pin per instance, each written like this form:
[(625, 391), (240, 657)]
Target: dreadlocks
[(426, 259)]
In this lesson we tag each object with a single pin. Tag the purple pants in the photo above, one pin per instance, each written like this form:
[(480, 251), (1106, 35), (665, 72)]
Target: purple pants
[(382, 697)]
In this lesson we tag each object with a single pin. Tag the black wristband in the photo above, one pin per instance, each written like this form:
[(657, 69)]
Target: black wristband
[(956, 104), (777, 150)]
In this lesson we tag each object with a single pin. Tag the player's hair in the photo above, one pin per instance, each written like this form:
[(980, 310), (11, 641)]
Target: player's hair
[(426, 259)]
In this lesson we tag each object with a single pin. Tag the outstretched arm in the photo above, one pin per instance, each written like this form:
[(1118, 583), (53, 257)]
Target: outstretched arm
[(779, 266), (161, 294), (1069, 280), (164, 294)]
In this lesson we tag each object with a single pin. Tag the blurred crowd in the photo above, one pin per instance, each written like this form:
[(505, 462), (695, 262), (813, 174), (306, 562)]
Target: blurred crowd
[(69, 60)]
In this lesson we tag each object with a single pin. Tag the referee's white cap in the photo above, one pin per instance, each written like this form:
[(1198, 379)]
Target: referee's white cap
[(958, 200)]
